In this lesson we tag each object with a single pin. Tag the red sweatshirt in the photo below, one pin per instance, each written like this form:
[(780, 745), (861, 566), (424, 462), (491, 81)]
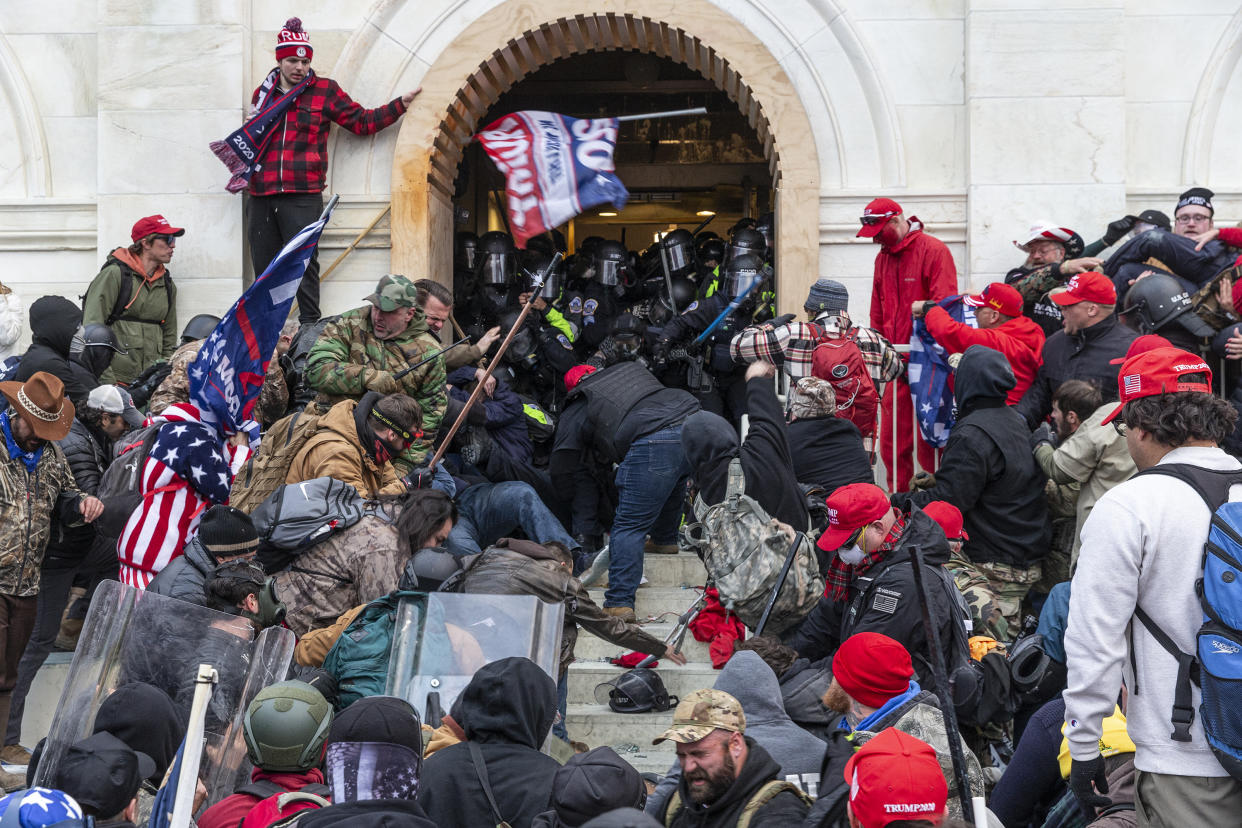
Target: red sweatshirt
[(1019, 339), (917, 267), (230, 811)]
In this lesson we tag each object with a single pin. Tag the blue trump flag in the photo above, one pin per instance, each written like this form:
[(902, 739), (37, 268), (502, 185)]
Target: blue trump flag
[(929, 376), (227, 374)]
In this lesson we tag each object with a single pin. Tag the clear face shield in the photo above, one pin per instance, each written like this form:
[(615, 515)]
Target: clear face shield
[(496, 269), (608, 271), (680, 258)]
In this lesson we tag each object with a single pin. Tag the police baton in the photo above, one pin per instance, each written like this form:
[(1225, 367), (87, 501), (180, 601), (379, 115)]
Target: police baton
[(943, 691), (734, 304), (491, 366), (427, 359)]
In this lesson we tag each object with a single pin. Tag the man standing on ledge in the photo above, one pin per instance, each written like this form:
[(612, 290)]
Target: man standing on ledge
[(290, 172)]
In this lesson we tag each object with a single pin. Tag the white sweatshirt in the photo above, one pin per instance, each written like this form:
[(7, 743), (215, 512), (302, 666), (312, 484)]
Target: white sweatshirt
[(1142, 544)]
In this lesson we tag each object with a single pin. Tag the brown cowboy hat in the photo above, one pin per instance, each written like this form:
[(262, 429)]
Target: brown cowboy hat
[(41, 402)]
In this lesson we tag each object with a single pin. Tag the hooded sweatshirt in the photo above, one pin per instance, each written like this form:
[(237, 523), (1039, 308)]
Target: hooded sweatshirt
[(988, 471), (53, 322), (784, 809), (749, 679), (1020, 339), (589, 784), (710, 442), (507, 711)]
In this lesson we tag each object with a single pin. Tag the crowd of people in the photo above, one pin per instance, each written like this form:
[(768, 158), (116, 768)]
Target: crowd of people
[(1027, 623)]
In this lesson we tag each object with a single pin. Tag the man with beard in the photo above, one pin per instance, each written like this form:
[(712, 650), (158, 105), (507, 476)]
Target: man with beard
[(723, 772)]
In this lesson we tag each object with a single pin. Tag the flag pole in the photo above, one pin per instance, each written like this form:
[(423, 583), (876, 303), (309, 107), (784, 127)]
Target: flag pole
[(184, 799), (495, 361), (671, 113)]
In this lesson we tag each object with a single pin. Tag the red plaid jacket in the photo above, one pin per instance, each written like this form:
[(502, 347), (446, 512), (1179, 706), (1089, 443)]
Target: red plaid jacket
[(296, 158)]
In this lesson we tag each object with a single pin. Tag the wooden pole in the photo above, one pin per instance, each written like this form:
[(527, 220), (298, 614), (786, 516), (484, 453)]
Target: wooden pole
[(324, 274)]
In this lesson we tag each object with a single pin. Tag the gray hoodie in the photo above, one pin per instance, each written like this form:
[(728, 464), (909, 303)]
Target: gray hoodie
[(751, 681)]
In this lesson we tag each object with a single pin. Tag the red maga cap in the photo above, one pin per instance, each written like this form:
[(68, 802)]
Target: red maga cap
[(999, 296), (1160, 371), (877, 214), (1141, 345), (144, 227), (948, 517), (850, 507), (896, 777), (1088, 286)]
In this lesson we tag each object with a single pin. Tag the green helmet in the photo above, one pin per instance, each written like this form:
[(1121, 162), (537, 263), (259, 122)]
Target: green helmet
[(286, 726)]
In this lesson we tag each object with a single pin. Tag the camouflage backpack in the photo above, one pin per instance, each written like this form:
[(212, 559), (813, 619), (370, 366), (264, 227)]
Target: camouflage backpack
[(265, 472), (744, 550)]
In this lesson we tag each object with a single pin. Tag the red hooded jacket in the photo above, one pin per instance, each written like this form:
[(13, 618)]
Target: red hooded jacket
[(917, 267), (1020, 340)]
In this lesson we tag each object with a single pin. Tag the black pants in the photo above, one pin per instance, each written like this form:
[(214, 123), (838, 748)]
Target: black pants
[(273, 220)]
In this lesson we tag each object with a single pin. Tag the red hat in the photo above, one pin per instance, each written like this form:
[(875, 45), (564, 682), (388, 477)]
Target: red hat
[(877, 214), (1141, 345), (574, 375), (1088, 286), (896, 776), (144, 227), (1159, 372), (850, 507), (1000, 296), (292, 41), (872, 668), (949, 518)]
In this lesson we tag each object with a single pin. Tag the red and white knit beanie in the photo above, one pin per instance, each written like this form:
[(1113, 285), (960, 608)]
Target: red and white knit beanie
[(293, 41)]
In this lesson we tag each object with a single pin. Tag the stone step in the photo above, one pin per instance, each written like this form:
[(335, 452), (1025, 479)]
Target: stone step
[(682, 569), (590, 648), (629, 734), (651, 601), (679, 680)]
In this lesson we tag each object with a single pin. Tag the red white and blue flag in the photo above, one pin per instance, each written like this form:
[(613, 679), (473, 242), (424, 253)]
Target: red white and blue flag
[(555, 167), (227, 374)]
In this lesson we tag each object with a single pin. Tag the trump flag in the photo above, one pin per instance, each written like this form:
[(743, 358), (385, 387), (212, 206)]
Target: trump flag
[(227, 374), (555, 167)]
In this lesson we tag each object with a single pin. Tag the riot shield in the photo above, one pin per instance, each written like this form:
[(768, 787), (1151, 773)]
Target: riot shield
[(442, 638), (135, 636)]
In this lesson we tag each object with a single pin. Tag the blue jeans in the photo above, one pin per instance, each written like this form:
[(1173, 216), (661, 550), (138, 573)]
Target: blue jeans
[(651, 485), (488, 512), (1053, 619)]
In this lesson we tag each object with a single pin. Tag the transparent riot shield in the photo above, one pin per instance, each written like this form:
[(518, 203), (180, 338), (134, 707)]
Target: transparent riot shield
[(441, 639), (135, 636)]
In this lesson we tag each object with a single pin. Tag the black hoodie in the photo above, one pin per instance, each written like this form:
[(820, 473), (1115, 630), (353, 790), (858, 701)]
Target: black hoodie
[(988, 471), (785, 809), (370, 813), (53, 322), (507, 711), (710, 442)]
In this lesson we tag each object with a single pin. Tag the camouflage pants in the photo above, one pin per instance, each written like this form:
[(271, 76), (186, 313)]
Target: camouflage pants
[(994, 593)]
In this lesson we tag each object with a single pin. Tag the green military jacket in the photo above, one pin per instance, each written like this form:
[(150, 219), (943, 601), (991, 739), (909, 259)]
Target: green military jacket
[(348, 360), (29, 502)]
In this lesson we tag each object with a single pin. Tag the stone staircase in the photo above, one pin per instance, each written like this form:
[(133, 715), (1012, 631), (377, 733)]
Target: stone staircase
[(668, 593)]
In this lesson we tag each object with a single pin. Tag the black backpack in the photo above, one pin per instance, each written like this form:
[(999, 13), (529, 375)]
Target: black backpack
[(120, 486), (297, 516)]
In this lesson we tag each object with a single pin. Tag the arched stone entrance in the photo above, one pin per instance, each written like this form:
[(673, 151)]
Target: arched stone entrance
[(458, 89)]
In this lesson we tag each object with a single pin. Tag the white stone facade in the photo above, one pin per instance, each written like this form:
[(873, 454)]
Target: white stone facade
[(977, 115)]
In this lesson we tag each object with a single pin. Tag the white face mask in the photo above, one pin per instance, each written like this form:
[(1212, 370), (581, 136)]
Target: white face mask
[(853, 555)]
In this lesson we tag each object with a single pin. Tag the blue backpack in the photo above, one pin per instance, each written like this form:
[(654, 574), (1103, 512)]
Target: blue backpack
[(1216, 666)]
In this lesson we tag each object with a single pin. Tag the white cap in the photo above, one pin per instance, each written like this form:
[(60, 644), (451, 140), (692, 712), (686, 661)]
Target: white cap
[(107, 398)]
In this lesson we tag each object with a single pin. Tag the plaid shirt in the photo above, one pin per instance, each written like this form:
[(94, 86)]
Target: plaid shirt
[(296, 160), (791, 345)]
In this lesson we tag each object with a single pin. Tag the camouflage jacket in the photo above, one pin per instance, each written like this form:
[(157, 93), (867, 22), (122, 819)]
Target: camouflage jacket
[(349, 568), (920, 717), (348, 360), (273, 396), (29, 503)]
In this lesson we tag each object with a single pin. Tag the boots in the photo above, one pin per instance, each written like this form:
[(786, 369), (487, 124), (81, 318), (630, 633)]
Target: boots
[(70, 628)]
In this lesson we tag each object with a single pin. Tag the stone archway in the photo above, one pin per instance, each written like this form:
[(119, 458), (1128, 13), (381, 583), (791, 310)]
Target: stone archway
[(459, 88)]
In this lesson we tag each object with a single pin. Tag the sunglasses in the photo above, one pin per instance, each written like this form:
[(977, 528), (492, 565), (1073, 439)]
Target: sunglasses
[(168, 238), (1120, 427), (853, 539), (871, 221)]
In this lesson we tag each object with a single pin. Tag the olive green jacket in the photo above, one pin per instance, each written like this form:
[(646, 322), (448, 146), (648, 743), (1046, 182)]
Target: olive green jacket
[(148, 329)]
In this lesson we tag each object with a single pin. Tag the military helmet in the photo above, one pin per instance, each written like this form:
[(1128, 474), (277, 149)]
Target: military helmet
[(199, 327), (286, 727), (1036, 676), (92, 347)]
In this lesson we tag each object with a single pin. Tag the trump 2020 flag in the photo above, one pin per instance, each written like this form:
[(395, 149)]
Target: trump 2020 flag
[(929, 376), (227, 374), (555, 167)]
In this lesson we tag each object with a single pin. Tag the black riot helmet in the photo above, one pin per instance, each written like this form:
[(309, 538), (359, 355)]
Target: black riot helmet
[(93, 346), (465, 250), (611, 263), (636, 691), (766, 225), (712, 251), (664, 308), (678, 251), (627, 332), (1155, 302), (522, 350), (535, 263), (739, 273), (1036, 676), (199, 327), (497, 262), (746, 240)]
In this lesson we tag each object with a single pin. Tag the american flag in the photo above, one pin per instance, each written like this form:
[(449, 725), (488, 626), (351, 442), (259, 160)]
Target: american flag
[(929, 376), (1131, 384)]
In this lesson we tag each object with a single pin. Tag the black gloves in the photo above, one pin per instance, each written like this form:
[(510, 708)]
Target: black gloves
[(1117, 229), (784, 319), (419, 479), (1082, 774), (1042, 435)]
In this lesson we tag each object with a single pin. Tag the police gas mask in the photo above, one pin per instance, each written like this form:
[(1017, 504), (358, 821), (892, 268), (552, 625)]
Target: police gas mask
[(241, 587), (522, 352), (272, 610)]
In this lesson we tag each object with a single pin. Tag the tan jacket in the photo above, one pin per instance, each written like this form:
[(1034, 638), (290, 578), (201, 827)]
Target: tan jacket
[(335, 451)]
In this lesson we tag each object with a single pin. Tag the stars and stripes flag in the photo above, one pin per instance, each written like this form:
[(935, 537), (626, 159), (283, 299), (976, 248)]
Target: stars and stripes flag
[(929, 376), (555, 167), (227, 374)]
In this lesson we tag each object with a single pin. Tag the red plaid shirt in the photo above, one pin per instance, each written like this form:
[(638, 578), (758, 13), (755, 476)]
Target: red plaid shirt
[(296, 158)]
